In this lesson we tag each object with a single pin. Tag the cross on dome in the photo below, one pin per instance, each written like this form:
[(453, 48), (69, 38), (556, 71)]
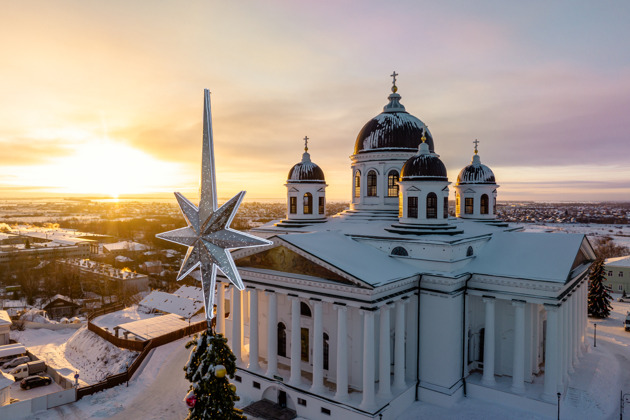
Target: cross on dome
[(476, 143), (306, 143), (393, 75)]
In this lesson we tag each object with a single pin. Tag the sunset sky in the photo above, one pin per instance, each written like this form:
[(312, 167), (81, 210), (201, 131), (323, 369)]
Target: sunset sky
[(105, 98)]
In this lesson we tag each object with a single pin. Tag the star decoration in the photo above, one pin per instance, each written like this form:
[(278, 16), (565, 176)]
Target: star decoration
[(208, 235)]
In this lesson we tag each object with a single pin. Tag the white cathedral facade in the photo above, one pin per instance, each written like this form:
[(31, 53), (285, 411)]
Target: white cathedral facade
[(358, 315)]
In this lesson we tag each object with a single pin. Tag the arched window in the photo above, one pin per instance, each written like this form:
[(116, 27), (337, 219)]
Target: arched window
[(484, 204), (392, 184), (371, 184), (468, 202), (308, 203), (282, 340), (305, 310), (446, 207), (469, 251), (357, 184), (412, 207), (431, 206), (326, 350), (399, 250)]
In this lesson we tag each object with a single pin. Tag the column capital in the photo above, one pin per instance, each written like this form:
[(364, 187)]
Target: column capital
[(518, 303), (270, 292), (550, 307), (488, 299), (340, 308)]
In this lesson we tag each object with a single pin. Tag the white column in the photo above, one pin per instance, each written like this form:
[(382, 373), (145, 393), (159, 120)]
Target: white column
[(411, 332), (220, 308), (550, 386), (296, 356), (236, 324), (253, 330), (574, 330), (368, 402), (318, 348), (518, 365), (399, 346), (272, 335), (488, 343), (561, 345), (384, 388), (342, 353)]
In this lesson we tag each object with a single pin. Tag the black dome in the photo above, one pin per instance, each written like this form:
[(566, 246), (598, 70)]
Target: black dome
[(424, 166), (306, 172), (392, 130), (476, 173)]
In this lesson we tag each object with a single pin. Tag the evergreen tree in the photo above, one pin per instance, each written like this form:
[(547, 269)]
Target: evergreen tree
[(598, 295), (210, 365)]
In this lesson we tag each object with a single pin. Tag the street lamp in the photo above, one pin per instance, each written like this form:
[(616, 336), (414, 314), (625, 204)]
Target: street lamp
[(595, 336), (559, 406)]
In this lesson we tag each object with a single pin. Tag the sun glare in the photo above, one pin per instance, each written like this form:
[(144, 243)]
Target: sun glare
[(107, 167)]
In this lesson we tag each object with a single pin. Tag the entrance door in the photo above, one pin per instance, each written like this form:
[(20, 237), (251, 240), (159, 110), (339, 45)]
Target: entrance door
[(282, 399)]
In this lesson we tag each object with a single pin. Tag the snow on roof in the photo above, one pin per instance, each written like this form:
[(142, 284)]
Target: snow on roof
[(125, 246), (173, 304), (5, 319), (59, 296), (190, 292), (532, 256), (360, 261), (5, 380), (154, 327), (122, 258), (618, 262)]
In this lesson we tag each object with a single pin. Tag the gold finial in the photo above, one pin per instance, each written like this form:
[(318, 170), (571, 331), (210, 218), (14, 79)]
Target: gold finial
[(476, 142), (394, 88), (305, 143), (424, 137)]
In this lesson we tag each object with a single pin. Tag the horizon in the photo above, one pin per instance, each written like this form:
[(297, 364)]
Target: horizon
[(106, 98)]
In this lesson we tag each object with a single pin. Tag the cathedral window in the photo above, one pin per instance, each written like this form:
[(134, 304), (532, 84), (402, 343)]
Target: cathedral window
[(468, 202), (304, 344), (371, 184), (431, 206), (292, 205), (484, 204), (412, 207), (392, 184), (308, 203), (305, 310), (445, 214), (326, 350), (621, 274), (400, 251), (322, 207), (282, 340), (357, 184)]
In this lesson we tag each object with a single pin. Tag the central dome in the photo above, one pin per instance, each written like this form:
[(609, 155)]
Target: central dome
[(394, 129)]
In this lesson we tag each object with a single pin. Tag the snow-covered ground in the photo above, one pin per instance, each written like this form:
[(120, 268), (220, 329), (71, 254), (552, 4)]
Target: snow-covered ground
[(619, 233), (113, 319), (158, 389)]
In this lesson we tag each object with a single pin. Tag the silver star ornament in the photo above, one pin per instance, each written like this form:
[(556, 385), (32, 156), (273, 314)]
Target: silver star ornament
[(208, 235)]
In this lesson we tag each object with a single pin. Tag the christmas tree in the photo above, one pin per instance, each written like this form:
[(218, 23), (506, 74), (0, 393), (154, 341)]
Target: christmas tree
[(211, 363), (598, 295)]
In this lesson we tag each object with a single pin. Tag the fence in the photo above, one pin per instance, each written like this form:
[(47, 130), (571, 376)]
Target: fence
[(120, 378), (106, 310), (117, 341)]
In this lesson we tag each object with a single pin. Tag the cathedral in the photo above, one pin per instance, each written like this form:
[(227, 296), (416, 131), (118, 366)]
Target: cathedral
[(400, 298)]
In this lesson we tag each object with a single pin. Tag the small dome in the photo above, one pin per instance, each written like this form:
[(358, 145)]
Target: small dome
[(306, 171), (425, 166), (476, 173), (392, 130)]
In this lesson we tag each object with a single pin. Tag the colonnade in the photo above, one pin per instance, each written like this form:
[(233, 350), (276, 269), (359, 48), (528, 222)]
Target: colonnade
[(344, 354), (564, 341)]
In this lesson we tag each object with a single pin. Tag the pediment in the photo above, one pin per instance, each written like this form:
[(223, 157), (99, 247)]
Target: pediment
[(413, 188), (293, 189), (321, 190), (469, 191), (445, 188), (283, 259)]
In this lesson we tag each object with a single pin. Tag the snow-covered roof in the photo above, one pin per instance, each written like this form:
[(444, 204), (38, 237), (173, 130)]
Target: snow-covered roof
[(5, 380), (621, 262), (532, 256), (125, 246), (358, 260), (166, 302), (190, 292), (5, 319), (122, 258), (154, 327)]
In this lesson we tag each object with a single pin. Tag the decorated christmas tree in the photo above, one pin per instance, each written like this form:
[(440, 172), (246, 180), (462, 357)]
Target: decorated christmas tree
[(209, 368), (598, 295)]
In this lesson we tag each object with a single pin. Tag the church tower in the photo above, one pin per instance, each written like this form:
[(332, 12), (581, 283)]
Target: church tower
[(476, 191), (382, 147), (306, 193)]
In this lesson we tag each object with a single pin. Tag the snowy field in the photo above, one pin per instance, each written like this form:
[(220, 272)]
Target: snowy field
[(619, 233), (158, 389)]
